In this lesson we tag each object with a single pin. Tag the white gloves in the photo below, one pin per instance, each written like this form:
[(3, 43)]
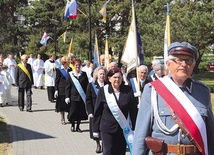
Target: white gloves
[(67, 100), (137, 94), (17, 87), (90, 116), (56, 94), (96, 134)]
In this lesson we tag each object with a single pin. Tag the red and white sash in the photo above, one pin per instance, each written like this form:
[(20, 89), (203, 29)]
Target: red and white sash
[(184, 109)]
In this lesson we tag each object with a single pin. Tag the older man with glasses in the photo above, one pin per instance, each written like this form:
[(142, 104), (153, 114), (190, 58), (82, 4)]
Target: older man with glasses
[(175, 115), (24, 82)]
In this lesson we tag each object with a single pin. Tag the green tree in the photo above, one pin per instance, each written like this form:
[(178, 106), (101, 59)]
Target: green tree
[(190, 21), (9, 26)]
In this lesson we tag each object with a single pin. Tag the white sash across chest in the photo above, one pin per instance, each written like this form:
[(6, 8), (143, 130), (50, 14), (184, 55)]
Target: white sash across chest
[(119, 116), (78, 87)]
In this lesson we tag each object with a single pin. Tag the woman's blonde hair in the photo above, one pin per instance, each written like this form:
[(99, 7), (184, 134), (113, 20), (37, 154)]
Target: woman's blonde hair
[(64, 60)]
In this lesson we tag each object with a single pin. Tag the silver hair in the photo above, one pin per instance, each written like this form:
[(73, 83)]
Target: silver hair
[(158, 67), (155, 62), (170, 57), (95, 74), (142, 66)]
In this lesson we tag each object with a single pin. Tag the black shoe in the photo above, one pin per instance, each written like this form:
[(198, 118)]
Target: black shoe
[(29, 110), (99, 149), (72, 129), (63, 122), (78, 130), (21, 109), (52, 101)]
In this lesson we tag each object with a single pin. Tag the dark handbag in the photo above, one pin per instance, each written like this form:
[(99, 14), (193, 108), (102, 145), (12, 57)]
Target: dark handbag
[(157, 146)]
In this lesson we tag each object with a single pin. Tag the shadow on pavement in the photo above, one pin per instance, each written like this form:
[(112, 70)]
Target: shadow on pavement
[(41, 110), (20, 134)]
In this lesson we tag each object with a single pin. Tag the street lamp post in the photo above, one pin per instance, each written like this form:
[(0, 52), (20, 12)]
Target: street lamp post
[(89, 27), (54, 21)]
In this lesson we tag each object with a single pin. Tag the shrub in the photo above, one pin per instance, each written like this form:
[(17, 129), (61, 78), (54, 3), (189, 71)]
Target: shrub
[(211, 88), (203, 67)]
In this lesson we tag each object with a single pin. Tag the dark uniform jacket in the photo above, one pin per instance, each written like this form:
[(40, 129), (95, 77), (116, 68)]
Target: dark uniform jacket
[(104, 121), (70, 89), (197, 93), (21, 78), (77, 106), (61, 80), (145, 82), (91, 97)]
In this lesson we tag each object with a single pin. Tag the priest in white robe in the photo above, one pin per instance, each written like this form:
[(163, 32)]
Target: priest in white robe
[(38, 67), (11, 63)]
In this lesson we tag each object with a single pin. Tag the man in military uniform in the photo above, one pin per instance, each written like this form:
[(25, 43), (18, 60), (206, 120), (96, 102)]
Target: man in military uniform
[(190, 130)]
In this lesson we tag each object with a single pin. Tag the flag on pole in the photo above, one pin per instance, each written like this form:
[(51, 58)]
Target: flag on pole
[(44, 39), (139, 43), (103, 10), (130, 52), (165, 45), (96, 52), (167, 40), (64, 36), (106, 54), (71, 9), (70, 50)]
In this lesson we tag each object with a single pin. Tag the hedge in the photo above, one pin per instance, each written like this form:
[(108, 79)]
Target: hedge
[(211, 88)]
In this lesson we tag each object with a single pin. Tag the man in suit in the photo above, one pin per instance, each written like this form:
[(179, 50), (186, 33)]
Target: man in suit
[(143, 74), (24, 82), (143, 80), (102, 59)]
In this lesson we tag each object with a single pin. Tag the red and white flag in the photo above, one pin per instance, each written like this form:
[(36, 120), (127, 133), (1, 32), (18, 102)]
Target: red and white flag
[(44, 39)]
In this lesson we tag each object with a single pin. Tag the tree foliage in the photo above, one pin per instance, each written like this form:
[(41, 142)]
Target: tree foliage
[(190, 21)]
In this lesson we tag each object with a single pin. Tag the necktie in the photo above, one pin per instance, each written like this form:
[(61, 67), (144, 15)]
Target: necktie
[(141, 83)]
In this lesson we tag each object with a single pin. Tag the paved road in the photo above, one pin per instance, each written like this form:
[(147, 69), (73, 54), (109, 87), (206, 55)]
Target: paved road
[(41, 132)]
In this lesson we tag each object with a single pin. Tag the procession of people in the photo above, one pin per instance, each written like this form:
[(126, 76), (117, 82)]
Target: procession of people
[(172, 112)]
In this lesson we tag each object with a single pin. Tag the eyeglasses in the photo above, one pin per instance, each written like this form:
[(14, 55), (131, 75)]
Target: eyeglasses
[(179, 61)]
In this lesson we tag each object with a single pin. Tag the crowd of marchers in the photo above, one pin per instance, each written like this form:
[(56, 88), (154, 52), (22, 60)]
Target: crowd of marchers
[(147, 110)]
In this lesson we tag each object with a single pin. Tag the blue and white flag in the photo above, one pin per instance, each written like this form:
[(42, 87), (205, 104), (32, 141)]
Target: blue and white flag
[(132, 52), (71, 9)]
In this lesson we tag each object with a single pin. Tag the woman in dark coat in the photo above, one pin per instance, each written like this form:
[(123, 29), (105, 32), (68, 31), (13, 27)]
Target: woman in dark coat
[(61, 76), (99, 77), (75, 90), (104, 122)]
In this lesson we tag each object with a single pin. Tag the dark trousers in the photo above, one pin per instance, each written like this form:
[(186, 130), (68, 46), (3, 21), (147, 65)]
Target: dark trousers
[(21, 98), (114, 144), (50, 90)]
